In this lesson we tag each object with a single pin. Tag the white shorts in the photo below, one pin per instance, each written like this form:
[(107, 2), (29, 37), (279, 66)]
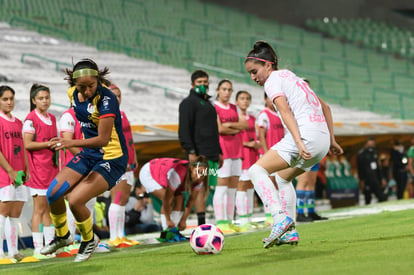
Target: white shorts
[(316, 142), (146, 179), (129, 177), (230, 168), (244, 175), (39, 192), (11, 193)]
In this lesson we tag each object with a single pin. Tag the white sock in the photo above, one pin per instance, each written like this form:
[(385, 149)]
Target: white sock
[(70, 219), (242, 207), (250, 202), (91, 205), (176, 216), (2, 226), (219, 203), (231, 199), (48, 233), (163, 221), (287, 196), (266, 191), (12, 235), (121, 222), (37, 242), (114, 215)]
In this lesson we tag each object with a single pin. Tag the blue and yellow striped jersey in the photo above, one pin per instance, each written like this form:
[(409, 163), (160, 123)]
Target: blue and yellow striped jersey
[(88, 113)]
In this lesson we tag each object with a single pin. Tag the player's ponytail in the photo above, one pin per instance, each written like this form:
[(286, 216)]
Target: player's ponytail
[(262, 52)]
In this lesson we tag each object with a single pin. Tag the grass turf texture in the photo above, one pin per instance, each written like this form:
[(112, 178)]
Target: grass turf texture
[(373, 244)]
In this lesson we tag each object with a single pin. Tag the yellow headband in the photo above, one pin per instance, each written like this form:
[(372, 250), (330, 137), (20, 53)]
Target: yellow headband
[(84, 72)]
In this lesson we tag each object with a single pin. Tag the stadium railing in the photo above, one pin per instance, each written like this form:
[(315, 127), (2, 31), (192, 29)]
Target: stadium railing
[(219, 71), (57, 63), (345, 63), (164, 38), (387, 104), (156, 85), (130, 51), (40, 28)]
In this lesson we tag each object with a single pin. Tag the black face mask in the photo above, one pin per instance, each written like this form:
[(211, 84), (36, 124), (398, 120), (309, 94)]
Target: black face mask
[(201, 89)]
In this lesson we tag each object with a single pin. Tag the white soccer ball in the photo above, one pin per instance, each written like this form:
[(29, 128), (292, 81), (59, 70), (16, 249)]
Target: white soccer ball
[(207, 239)]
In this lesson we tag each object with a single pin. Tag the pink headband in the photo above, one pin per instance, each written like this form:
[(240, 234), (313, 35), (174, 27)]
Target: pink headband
[(260, 59)]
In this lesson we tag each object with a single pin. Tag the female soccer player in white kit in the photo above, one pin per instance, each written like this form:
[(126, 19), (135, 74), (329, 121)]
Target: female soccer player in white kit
[(308, 138)]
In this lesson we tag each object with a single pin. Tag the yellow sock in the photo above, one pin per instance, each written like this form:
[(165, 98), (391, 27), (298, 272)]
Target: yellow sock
[(60, 223), (85, 228)]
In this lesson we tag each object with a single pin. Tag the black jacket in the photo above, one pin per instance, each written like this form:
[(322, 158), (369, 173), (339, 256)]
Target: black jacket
[(368, 166), (197, 128)]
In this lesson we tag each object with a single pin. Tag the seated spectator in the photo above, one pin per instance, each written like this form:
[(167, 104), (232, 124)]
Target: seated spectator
[(139, 212)]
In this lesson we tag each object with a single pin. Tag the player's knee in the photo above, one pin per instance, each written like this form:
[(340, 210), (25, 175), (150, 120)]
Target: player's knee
[(54, 191)]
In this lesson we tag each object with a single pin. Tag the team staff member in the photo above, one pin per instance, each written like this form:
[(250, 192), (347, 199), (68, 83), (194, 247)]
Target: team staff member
[(369, 173), (102, 161), (198, 132)]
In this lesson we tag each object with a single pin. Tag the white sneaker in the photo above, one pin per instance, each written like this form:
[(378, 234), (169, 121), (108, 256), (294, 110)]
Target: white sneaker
[(86, 249), (56, 243)]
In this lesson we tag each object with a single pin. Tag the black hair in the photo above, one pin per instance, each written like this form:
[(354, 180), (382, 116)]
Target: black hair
[(5, 88), (36, 87), (243, 92), (263, 50), (265, 95), (188, 181), (222, 82), (198, 74), (87, 64)]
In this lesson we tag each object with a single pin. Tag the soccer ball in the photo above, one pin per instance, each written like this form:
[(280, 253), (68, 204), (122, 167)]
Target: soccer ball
[(207, 239)]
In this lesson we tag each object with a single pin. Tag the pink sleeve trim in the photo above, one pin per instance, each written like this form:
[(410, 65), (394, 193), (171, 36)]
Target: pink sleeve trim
[(277, 95)]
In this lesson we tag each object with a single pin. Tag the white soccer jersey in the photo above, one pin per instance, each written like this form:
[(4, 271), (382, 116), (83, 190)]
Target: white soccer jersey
[(67, 123), (302, 101)]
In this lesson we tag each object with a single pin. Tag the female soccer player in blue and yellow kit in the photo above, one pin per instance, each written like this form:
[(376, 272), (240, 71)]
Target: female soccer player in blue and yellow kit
[(102, 161)]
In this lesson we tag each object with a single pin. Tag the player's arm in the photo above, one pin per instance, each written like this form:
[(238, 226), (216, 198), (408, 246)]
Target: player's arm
[(7, 167), (69, 135), (31, 145), (291, 124), (104, 135), (186, 126), (167, 205), (335, 147), (187, 210), (262, 138), (225, 130), (242, 124)]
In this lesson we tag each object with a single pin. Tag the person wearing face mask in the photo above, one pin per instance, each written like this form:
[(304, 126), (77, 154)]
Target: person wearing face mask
[(369, 172), (399, 162), (198, 132)]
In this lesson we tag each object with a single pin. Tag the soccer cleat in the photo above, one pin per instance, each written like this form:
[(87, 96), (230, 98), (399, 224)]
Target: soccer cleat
[(277, 232), (303, 218), (56, 243), (18, 256), (290, 237), (235, 228), (225, 228), (116, 242), (130, 242), (316, 217), (86, 249)]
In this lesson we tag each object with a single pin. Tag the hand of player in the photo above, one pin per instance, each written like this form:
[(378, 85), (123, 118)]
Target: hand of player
[(335, 148), (182, 225), (170, 224), (57, 143), (303, 152)]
